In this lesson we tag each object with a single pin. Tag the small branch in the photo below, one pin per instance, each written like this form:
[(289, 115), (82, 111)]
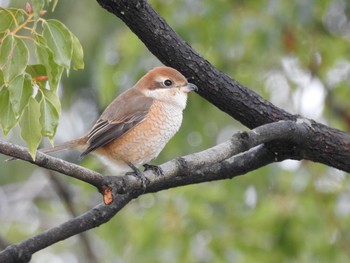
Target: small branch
[(65, 195), (23, 251), (52, 163)]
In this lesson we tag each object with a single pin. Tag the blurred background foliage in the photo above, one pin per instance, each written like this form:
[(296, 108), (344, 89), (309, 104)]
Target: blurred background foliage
[(294, 53)]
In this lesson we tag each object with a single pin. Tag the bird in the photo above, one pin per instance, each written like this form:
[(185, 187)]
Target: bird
[(137, 124)]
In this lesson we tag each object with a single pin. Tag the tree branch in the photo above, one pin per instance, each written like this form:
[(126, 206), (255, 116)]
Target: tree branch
[(52, 163), (245, 152), (175, 170), (326, 145), (23, 251), (66, 196)]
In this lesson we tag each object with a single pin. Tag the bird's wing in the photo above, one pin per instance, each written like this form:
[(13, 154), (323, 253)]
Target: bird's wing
[(125, 112)]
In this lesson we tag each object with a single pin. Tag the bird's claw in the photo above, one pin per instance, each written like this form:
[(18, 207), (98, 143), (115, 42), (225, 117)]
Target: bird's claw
[(140, 175), (156, 169), (144, 180)]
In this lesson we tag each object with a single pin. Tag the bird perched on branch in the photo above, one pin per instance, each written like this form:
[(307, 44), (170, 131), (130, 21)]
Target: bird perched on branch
[(137, 125)]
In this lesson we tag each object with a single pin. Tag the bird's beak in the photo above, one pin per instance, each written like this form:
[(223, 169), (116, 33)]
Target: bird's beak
[(189, 87)]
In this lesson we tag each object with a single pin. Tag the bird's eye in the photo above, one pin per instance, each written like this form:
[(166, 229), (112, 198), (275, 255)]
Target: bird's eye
[(168, 82)]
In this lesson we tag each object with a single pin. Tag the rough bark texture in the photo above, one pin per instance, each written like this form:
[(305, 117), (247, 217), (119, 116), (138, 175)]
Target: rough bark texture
[(325, 145)]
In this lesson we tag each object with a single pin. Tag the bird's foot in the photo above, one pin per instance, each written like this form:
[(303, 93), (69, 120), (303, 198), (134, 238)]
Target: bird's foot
[(158, 171), (137, 173)]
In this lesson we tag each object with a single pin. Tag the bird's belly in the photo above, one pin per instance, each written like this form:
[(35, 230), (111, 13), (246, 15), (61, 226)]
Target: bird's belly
[(146, 140)]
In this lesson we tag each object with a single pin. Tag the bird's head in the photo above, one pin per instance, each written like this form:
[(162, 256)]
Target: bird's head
[(167, 85)]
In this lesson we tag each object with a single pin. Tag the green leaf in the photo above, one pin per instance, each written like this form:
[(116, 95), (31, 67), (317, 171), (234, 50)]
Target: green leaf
[(50, 111), (14, 57), (7, 116), (37, 72), (53, 98), (30, 126), (53, 70), (20, 91), (10, 18), (78, 54), (59, 40)]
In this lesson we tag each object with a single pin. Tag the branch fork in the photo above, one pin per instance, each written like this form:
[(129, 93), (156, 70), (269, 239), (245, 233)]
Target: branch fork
[(244, 152)]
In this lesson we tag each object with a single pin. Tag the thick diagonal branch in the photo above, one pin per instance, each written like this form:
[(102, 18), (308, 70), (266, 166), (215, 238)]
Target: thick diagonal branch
[(326, 145)]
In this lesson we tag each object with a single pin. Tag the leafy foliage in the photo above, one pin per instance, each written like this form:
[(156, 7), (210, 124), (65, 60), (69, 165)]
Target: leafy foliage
[(28, 92)]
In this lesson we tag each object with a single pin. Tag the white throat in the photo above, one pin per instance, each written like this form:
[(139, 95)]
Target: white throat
[(174, 97)]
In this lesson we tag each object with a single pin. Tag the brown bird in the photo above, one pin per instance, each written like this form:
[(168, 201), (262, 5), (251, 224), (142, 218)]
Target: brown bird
[(137, 125)]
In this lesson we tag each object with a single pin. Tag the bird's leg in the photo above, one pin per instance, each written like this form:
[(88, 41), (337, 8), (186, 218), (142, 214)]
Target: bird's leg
[(136, 172), (154, 168)]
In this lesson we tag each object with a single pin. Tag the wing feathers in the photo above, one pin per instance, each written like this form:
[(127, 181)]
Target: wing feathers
[(106, 132), (125, 112)]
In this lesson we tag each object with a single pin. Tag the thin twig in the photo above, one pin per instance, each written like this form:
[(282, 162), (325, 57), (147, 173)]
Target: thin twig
[(53, 163)]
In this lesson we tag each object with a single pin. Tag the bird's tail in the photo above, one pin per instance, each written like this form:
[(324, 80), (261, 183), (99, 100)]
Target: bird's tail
[(78, 144)]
